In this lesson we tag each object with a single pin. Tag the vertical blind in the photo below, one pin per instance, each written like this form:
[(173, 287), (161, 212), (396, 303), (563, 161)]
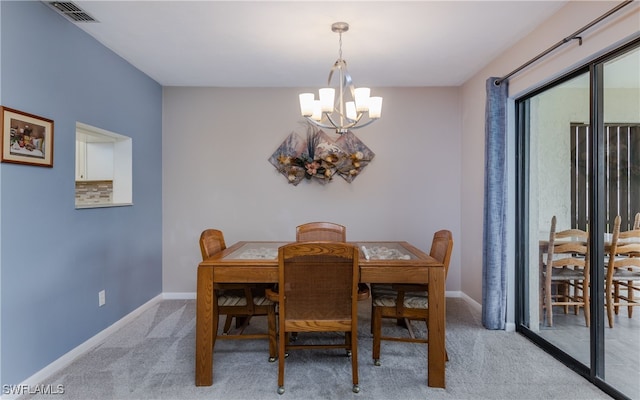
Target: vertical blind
[(622, 174)]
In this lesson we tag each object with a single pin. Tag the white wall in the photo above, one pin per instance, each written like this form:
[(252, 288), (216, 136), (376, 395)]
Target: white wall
[(216, 145), (576, 14)]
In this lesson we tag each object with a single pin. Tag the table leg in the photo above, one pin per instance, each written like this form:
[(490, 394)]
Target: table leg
[(206, 326), (436, 322)]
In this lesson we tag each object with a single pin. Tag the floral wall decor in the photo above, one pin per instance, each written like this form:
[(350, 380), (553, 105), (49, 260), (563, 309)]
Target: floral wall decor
[(319, 157)]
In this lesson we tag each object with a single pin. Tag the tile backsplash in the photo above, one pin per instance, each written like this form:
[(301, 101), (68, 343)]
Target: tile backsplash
[(94, 192)]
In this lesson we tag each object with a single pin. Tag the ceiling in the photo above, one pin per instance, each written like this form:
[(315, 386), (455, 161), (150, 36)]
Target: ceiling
[(290, 43)]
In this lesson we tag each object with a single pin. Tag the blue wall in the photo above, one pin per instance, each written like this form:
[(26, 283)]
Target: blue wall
[(55, 259)]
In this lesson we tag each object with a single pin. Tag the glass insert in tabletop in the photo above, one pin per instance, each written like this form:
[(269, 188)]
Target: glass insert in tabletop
[(256, 251), (385, 251)]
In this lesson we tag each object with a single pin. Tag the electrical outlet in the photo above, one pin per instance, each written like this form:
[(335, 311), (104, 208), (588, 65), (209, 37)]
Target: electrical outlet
[(101, 298)]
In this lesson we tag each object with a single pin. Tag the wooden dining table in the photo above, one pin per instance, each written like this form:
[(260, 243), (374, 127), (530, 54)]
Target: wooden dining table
[(380, 262)]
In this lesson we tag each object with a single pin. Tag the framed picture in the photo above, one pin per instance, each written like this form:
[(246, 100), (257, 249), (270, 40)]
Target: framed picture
[(26, 138)]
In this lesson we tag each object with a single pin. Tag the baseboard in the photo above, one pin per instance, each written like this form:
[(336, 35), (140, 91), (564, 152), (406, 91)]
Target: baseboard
[(179, 296), (509, 327), (34, 380), (471, 302)]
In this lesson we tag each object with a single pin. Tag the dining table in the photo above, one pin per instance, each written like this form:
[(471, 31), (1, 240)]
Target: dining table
[(380, 262)]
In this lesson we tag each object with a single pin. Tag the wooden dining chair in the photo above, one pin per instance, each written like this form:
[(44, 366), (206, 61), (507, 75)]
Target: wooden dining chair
[(406, 302), (241, 301), (565, 273), (332, 232), (318, 286), (623, 272), (326, 231)]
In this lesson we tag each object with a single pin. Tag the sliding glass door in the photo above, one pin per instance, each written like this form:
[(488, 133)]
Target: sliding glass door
[(578, 163), (621, 137)]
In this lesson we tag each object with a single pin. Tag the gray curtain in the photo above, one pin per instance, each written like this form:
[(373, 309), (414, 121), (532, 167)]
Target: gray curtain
[(494, 273)]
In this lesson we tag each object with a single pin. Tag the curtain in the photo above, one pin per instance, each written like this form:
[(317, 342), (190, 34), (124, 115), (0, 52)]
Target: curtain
[(494, 269)]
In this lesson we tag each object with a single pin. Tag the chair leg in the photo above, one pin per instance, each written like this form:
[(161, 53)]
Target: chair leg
[(576, 295), (353, 341), (616, 297), (227, 324), (407, 323), (271, 322), (587, 308), (347, 343), (630, 299), (282, 341), (565, 296), (549, 310), (377, 327), (245, 323), (609, 305)]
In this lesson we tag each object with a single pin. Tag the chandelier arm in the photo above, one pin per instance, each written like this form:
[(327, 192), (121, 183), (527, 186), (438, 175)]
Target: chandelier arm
[(347, 126), (363, 125), (321, 125)]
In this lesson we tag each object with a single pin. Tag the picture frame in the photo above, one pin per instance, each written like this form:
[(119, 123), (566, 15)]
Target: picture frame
[(26, 138)]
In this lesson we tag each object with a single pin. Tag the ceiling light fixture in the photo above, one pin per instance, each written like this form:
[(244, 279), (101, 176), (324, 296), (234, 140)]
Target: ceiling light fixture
[(345, 111)]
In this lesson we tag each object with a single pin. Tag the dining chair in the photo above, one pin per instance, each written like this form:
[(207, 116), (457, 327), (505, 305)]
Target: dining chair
[(328, 231), (565, 274), (623, 272), (241, 301), (318, 286), (406, 302)]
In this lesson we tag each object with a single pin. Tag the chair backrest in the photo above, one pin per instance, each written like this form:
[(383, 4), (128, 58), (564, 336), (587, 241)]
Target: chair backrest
[(442, 247), (566, 248), (318, 284), (211, 242), (625, 248), (325, 231)]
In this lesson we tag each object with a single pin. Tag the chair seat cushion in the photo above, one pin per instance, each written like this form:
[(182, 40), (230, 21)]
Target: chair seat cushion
[(231, 300), (384, 296)]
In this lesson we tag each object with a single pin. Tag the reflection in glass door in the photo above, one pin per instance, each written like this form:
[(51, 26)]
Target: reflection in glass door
[(586, 122), (557, 154), (621, 120)]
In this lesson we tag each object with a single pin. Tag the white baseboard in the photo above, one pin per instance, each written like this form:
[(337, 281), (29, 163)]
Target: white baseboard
[(509, 327), (34, 380), (472, 302), (179, 296)]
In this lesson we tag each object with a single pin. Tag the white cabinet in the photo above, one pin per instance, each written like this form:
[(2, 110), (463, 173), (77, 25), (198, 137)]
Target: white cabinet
[(94, 160), (99, 161), (81, 157)]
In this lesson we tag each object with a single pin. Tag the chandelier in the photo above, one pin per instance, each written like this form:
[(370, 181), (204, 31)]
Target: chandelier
[(346, 111)]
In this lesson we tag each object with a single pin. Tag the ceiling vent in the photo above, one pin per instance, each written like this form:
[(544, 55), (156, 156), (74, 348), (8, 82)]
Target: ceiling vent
[(71, 11)]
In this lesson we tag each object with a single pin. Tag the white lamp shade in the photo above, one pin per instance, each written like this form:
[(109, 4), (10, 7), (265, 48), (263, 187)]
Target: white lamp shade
[(317, 111), (306, 104), (327, 99), (351, 110), (375, 107), (362, 98)]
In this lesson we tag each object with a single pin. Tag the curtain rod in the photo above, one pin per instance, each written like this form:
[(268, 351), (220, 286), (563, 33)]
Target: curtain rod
[(563, 41)]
